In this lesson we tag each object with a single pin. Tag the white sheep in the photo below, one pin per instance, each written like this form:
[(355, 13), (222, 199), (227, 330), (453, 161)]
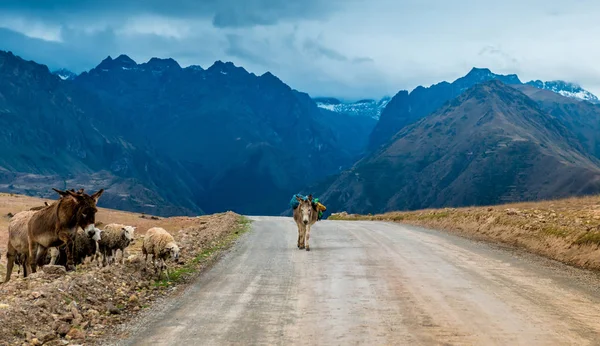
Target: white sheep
[(161, 245), (115, 237)]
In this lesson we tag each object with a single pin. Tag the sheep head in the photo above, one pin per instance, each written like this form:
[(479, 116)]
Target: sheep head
[(173, 251)]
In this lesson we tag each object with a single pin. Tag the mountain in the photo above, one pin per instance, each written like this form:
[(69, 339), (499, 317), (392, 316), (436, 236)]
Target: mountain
[(351, 131), (65, 74), (566, 89), (53, 134), (248, 141), (491, 144), (364, 108), (405, 108), (581, 118)]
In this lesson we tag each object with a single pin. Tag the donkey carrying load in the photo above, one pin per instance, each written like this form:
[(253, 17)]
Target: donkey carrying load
[(57, 224), (307, 211)]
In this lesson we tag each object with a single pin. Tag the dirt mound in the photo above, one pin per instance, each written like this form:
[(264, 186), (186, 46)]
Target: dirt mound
[(52, 307)]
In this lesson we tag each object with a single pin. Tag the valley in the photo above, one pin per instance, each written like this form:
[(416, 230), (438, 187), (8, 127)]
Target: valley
[(170, 140)]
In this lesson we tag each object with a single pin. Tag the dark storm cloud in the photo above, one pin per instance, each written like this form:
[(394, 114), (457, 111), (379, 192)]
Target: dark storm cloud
[(341, 48), (223, 13), (79, 55)]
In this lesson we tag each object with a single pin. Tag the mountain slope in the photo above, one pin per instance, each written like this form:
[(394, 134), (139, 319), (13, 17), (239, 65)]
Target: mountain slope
[(51, 136), (582, 118), (492, 144), (405, 108), (352, 132), (243, 137)]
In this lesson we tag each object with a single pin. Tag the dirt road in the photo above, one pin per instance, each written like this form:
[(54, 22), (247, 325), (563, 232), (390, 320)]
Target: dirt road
[(374, 283)]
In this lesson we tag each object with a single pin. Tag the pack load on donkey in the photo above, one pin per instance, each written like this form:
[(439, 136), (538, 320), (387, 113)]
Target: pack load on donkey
[(318, 206)]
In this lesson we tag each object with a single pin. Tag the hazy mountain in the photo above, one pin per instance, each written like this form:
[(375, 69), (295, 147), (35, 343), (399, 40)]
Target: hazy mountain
[(65, 74)]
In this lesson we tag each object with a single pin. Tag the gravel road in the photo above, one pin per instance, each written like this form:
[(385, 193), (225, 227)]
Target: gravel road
[(376, 283)]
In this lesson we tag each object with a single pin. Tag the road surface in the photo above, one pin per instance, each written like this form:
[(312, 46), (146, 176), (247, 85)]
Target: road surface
[(375, 283)]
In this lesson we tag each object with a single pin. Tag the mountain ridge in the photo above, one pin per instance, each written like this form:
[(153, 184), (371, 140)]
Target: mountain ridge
[(407, 107), (493, 144)]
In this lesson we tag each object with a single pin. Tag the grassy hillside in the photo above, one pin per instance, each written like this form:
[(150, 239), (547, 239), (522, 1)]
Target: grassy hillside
[(567, 230)]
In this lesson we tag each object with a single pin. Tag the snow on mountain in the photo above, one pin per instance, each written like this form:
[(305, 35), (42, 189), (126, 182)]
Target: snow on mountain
[(368, 107), (65, 74), (566, 89)]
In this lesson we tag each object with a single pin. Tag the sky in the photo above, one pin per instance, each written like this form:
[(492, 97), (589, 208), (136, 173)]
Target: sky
[(350, 49)]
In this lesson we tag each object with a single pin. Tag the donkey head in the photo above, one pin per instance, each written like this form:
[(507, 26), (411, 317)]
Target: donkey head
[(85, 207), (306, 209)]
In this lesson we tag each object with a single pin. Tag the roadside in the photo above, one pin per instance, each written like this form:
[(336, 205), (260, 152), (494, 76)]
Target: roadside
[(566, 230), (88, 305), (375, 283)]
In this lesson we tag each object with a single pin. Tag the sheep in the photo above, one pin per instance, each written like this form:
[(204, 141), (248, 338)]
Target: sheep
[(161, 245), (86, 243), (116, 237)]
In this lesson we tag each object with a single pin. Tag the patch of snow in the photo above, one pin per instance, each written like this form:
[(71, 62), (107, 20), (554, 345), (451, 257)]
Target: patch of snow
[(63, 77), (369, 108), (223, 72), (326, 106), (566, 89)]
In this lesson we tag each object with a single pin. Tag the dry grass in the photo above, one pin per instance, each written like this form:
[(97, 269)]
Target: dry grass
[(567, 230)]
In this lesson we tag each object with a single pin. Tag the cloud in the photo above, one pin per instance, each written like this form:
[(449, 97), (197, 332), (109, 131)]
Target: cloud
[(347, 49), (222, 13), (318, 51), (241, 49)]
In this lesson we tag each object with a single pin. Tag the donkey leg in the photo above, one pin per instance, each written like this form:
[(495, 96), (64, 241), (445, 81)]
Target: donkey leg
[(306, 237), (66, 238), (29, 263), (302, 236), (10, 262), (40, 256), (299, 237)]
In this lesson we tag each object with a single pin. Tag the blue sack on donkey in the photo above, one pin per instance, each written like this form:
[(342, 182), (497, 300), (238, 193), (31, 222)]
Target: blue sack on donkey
[(294, 201)]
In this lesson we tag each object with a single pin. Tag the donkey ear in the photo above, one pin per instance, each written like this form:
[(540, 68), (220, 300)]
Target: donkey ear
[(299, 199), (310, 198), (73, 194), (97, 195), (61, 193)]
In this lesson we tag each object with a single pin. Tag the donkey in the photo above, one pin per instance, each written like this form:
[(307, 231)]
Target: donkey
[(305, 215), (58, 223)]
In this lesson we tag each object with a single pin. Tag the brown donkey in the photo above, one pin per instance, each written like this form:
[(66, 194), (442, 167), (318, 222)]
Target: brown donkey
[(57, 224), (305, 216)]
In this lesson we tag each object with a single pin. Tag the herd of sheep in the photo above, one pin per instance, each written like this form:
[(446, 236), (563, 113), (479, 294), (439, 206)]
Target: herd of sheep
[(86, 241)]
